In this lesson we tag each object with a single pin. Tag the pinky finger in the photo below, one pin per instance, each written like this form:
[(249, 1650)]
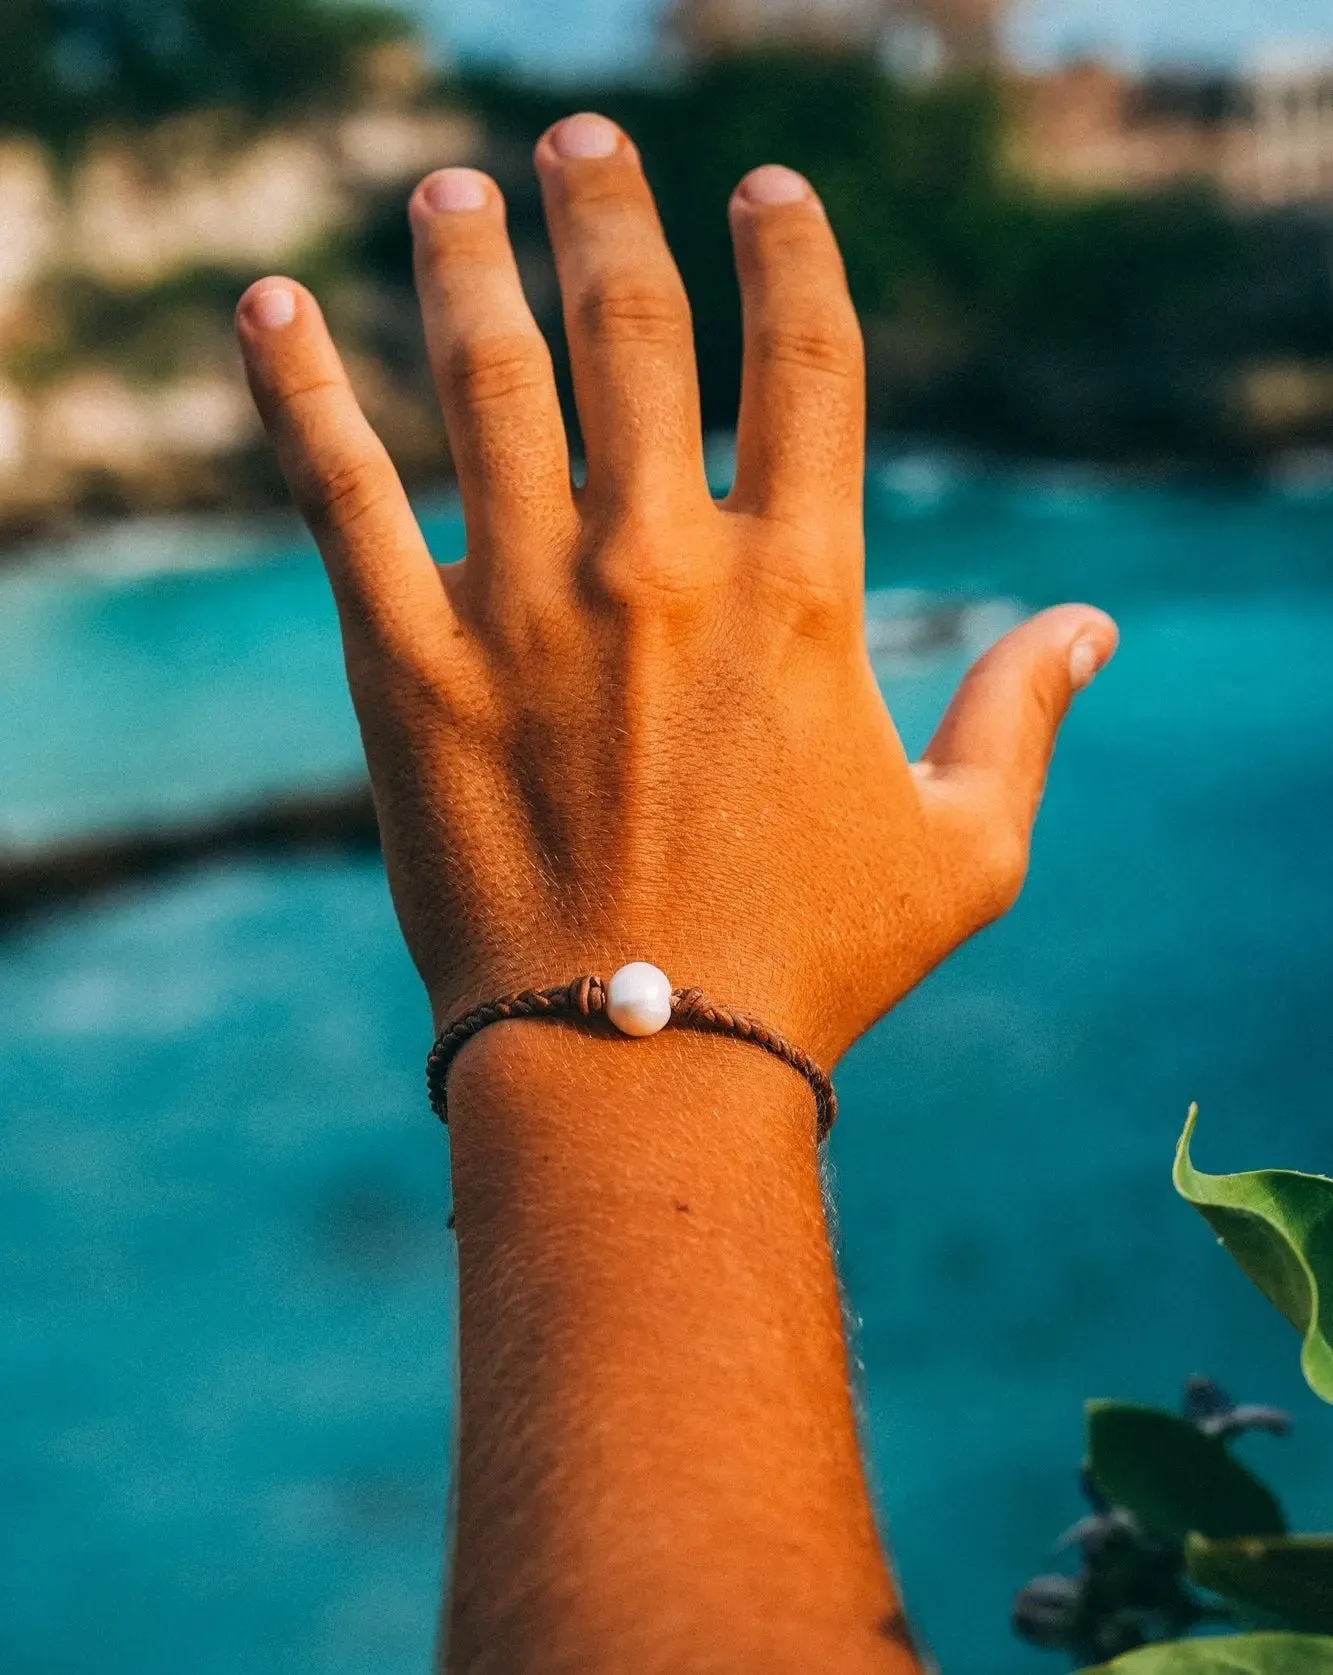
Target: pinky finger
[(383, 577)]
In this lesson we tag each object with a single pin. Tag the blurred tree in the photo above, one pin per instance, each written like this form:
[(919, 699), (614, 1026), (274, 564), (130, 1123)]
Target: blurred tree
[(906, 172), (32, 96), (68, 65), (1100, 326), (1097, 327)]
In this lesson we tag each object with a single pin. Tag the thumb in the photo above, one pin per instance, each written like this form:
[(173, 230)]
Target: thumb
[(1005, 716)]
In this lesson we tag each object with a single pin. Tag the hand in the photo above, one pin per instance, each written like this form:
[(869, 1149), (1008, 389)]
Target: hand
[(635, 723)]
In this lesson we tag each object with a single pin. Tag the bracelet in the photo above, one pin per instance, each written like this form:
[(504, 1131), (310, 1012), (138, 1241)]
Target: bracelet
[(638, 1001)]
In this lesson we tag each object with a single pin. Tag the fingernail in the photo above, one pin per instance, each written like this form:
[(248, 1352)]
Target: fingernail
[(1086, 657), (453, 189), (585, 135), (272, 308), (774, 184)]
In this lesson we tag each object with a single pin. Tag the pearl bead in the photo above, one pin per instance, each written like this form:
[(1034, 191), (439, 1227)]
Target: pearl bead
[(638, 999)]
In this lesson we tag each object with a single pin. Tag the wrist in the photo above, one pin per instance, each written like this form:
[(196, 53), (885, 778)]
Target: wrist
[(580, 1082), (638, 1002)]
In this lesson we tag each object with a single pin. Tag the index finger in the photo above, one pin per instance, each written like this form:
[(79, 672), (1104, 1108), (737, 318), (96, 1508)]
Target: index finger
[(341, 477)]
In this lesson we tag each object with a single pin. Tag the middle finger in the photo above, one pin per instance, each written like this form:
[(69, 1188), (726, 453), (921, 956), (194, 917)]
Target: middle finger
[(627, 318)]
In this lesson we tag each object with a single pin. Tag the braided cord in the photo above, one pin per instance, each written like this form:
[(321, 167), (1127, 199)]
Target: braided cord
[(585, 997)]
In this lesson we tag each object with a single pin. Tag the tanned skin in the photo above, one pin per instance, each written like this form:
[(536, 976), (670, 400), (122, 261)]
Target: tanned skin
[(636, 723)]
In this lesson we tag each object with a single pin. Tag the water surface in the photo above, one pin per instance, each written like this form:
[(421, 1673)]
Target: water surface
[(226, 1288)]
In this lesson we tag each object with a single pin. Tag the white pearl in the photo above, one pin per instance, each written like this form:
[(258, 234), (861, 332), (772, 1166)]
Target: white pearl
[(638, 999)]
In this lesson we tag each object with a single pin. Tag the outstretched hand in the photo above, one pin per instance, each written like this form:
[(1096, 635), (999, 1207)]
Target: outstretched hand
[(635, 723)]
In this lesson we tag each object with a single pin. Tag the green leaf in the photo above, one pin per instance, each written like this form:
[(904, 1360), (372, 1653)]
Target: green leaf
[(1278, 1225), (1173, 1478), (1239, 1654), (1289, 1577)]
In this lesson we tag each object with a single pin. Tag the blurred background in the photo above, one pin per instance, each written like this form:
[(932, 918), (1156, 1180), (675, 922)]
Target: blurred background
[(1092, 246)]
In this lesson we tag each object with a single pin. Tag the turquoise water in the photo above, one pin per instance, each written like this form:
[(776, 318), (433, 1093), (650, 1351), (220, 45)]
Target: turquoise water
[(226, 1289)]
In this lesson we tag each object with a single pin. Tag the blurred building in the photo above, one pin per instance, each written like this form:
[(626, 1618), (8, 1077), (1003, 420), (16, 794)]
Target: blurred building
[(917, 36), (120, 265), (1289, 147), (1263, 137), (211, 189)]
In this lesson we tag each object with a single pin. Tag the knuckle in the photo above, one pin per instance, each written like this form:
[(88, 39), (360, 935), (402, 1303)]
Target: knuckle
[(601, 191), (627, 310), (812, 607), (293, 402), (811, 345), (798, 568), (638, 573), (820, 612), (341, 498), (1049, 699), (489, 370)]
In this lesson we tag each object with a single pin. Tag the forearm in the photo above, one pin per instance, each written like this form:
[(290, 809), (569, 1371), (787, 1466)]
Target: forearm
[(659, 1466)]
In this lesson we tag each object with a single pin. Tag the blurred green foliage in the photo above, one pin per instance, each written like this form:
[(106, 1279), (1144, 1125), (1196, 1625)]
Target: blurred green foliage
[(67, 66), (1173, 1477), (1103, 326), (909, 177), (1239, 1654)]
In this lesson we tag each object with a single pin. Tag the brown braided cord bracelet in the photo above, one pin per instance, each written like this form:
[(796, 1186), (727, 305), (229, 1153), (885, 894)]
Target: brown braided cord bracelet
[(586, 997)]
